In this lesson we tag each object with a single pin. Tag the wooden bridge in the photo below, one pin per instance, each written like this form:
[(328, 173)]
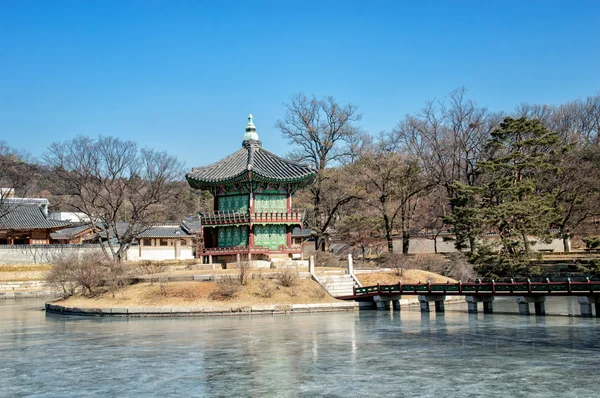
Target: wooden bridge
[(587, 293)]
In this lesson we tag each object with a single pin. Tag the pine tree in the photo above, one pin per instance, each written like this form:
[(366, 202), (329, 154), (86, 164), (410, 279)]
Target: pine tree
[(520, 152), (465, 217)]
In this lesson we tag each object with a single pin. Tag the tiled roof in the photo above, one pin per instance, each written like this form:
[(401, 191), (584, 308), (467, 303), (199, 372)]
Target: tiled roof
[(302, 233), (71, 232), (250, 162), (26, 216), (163, 231), (191, 226)]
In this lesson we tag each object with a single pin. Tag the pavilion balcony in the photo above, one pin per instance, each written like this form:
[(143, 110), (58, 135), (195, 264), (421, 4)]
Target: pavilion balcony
[(231, 217), (221, 251)]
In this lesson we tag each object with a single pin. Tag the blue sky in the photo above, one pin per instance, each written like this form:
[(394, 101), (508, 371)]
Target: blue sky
[(182, 76)]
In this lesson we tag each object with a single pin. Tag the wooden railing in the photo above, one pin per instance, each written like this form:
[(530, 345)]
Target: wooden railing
[(252, 250), (231, 217), (567, 288)]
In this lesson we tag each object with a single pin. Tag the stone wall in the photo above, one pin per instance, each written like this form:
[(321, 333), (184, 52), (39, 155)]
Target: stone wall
[(159, 253), (40, 254), (422, 245)]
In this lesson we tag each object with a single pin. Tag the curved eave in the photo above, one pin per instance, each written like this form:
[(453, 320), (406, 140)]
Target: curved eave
[(250, 176)]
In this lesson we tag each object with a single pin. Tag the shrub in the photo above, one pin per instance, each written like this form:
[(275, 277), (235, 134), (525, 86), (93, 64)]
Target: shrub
[(459, 268), (244, 272), (267, 288), (117, 276), (398, 262), (148, 267), (327, 259), (90, 273), (62, 275), (227, 288), (592, 242), (318, 292), (87, 273), (430, 262), (288, 277)]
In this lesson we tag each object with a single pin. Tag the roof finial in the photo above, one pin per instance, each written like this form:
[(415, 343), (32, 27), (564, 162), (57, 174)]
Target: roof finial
[(250, 130)]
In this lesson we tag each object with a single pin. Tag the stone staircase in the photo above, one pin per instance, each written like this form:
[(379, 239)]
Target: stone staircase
[(337, 285)]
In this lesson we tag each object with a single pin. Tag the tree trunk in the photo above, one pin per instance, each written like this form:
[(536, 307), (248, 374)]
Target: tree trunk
[(526, 242), (566, 246), (388, 233), (405, 241), (472, 244), (435, 244)]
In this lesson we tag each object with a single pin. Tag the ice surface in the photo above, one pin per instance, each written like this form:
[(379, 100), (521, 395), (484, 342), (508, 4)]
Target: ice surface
[(366, 353)]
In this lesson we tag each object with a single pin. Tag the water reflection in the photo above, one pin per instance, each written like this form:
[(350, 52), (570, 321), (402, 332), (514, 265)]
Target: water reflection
[(340, 354)]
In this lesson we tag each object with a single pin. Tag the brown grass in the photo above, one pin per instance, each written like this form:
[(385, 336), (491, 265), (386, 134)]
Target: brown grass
[(25, 268), (409, 276), (197, 294)]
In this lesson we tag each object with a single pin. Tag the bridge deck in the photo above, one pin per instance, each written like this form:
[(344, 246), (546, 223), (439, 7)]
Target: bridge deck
[(548, 288)]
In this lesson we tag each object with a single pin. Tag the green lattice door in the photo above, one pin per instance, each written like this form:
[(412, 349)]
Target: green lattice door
[(236, 203), (232, 236), (270, 203), (270, 236)]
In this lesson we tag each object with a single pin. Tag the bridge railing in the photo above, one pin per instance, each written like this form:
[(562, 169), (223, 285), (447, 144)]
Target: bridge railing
[(494, 288)]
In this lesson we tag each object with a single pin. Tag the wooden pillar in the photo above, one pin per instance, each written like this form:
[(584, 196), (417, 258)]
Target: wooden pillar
[(288, 237), (251, 200), (214, 237), (288, 201), (251, 236)]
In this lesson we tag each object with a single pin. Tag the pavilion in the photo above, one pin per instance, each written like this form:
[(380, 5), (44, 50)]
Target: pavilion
[(253, 213)]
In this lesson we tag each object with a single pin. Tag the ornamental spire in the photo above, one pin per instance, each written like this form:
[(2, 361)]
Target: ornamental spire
[(250, 130)]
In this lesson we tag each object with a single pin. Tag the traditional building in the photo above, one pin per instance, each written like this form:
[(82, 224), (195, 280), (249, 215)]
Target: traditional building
[(253, 213), (25, 222)]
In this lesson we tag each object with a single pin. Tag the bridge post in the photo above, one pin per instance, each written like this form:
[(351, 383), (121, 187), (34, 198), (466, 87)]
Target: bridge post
[(585, 304), (437, 298), (424, 304), (539, 303), (439, 306), (311, 265), (350, 264), (383, 302), (487, 301), (488, 306)]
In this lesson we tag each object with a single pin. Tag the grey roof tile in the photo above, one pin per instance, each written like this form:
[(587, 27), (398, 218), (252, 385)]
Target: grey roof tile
[(69, 233), (26, 216), (164, 231), (251, 159)]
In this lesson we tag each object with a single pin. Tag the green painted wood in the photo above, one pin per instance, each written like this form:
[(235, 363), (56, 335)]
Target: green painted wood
[(236, 203), (232, 236), (270, 203), (270, 236)]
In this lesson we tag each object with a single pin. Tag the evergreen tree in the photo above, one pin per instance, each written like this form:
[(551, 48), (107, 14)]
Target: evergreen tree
[(520, 152), (465, 217)]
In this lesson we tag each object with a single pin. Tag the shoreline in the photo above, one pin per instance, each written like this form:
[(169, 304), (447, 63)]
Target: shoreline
[(266, 309), (144, 312)]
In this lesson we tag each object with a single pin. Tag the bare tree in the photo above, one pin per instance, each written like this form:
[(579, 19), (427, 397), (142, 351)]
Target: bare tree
[(447, 138), (122, 189), (323, 134), (17, 175), (393, 183), (430, 214)]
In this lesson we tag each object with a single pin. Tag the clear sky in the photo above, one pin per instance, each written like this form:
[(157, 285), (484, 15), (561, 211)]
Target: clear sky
[(182, 76)]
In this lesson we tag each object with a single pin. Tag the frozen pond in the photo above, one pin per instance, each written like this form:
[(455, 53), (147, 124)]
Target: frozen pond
[(364, 353)]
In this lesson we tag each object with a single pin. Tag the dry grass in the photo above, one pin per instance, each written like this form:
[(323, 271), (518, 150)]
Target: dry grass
[(409, 276), (25, 268), (197, 294), (22, 276)]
